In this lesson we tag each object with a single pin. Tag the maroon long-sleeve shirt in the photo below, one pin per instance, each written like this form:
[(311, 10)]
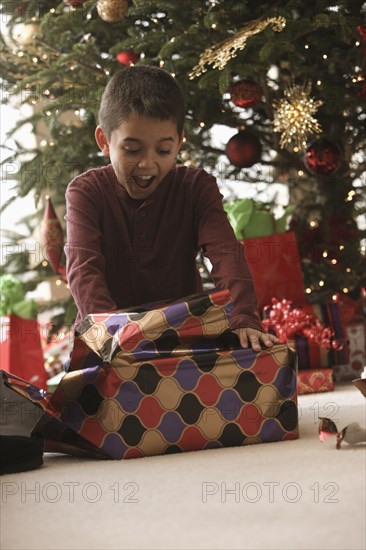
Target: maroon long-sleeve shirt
[(123, 252)]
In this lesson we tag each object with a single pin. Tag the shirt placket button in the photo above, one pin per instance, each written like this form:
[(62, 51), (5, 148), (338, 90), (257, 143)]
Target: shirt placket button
[(143, 234)]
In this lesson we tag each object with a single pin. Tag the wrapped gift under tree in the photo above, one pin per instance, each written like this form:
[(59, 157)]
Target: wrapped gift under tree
[(320, 345), (273, 259)]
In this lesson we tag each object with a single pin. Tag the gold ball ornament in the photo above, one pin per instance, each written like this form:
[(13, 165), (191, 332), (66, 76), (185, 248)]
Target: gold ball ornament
[(27, 34), (70, 118), (112, 11)]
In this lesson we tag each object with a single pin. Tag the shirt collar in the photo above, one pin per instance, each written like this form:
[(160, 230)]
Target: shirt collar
[(122, 193)]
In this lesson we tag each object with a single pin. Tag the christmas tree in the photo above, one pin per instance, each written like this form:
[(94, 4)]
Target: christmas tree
[(288, 77)]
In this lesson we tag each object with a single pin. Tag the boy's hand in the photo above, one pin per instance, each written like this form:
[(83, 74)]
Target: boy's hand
[(253, 337)]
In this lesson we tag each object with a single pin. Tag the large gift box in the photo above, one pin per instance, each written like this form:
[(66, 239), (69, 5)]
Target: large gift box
[(167, 380)]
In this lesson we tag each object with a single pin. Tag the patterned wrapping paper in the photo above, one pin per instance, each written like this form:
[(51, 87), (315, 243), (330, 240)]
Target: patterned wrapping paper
[(168, 380), (314, 381)]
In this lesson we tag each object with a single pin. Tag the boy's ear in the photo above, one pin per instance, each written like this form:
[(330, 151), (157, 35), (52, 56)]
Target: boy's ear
[(181, 140), (102, 141)]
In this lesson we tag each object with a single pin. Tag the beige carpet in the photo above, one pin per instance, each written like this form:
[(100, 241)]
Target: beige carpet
[(296, 494)]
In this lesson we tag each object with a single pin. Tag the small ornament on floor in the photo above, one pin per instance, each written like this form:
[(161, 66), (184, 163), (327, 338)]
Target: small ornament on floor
[(351, 434), (360, 383)]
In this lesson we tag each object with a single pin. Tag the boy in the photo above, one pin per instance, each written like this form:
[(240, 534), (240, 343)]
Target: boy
[(135, 226)]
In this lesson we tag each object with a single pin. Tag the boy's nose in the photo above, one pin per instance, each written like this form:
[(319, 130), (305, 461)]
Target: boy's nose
[(147, 161)]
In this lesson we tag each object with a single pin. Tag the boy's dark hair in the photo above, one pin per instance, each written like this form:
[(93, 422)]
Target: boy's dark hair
[(141, 90)]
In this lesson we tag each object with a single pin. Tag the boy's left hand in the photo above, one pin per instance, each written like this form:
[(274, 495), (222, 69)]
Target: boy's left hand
[(253, 337)]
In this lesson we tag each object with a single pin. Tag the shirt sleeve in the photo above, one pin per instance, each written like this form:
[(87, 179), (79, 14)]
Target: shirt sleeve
[(229, 267), (85, 265)]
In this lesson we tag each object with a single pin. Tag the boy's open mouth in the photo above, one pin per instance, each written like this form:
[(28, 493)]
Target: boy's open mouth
[(143, 182)]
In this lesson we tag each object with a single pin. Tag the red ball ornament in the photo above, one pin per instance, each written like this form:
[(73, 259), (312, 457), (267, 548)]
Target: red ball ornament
[(323, 157), (75, 3), (127, 57), (362, 31), (362, 94), (244, 149), (342, 229), (245, 93)]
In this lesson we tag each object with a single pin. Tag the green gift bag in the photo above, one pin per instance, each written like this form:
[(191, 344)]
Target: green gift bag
[(251, 219)]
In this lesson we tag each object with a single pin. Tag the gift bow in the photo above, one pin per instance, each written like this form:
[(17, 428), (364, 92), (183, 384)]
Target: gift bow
[(288, 322), (12, 298)]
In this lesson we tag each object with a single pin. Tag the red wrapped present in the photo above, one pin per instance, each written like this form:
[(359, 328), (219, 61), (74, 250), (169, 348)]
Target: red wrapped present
[(274, 263), (317, 331), (21, 351), (168, 380), (314, 381), (311, 355)]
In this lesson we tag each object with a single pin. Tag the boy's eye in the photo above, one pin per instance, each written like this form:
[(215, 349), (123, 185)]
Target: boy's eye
[(134, 151)]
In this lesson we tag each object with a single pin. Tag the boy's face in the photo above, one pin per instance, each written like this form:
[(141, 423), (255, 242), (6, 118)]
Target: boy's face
[(142, 152)]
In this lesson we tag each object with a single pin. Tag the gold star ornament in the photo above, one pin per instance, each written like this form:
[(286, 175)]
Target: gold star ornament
[(293, 116)]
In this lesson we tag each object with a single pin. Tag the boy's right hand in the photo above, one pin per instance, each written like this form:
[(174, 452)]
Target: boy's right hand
[(253, 337)]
